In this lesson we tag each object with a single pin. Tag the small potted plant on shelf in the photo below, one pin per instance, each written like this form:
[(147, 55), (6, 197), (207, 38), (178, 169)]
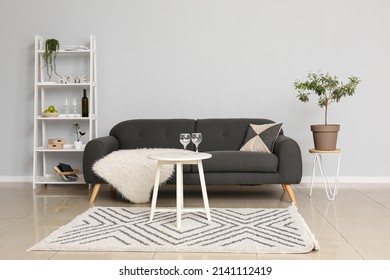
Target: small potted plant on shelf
[(52, 47), (329, 90), (78, 135)]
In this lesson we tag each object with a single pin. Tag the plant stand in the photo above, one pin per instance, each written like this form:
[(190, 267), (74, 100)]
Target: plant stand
[(331, 191)]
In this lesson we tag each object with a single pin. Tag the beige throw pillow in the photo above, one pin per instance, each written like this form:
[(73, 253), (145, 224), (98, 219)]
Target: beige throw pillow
[(261, 137)]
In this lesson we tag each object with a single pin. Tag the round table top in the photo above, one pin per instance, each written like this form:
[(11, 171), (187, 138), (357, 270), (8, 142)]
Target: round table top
[(179, 156)]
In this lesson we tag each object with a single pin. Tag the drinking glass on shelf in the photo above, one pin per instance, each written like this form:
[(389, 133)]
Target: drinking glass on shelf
[(75, 103), (196, 139), (185, 139), (67, 106)]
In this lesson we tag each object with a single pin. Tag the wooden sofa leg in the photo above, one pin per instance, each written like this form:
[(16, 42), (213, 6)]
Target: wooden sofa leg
[(289, 190), (95, 191)]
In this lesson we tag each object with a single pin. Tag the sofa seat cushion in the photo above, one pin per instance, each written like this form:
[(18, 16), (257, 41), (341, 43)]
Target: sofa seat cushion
[(239, 161)]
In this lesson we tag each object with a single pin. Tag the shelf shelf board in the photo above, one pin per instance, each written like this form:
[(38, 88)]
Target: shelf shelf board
[(68, 52), (64, 117), (56, 179), (55, 84), (67, 148)]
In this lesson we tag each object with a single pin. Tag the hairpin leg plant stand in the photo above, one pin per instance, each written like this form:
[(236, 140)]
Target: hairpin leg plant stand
[(331, 190)]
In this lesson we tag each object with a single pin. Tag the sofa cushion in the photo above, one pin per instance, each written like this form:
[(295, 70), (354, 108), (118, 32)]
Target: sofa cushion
[(224, 134), (238, 161), (152, 133), (261, 138)]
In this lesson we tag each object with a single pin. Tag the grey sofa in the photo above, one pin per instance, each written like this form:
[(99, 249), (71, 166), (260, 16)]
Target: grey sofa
[(221, 137)]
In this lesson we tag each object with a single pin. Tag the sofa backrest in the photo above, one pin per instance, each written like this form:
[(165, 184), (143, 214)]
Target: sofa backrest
[(224, 134), (152, 133)]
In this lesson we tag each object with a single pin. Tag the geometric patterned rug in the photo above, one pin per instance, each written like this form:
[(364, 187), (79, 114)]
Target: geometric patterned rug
[(246, 230)]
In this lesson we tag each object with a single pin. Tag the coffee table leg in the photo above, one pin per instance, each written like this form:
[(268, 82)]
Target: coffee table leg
[(179, 193), (204, 190), (155, 190)]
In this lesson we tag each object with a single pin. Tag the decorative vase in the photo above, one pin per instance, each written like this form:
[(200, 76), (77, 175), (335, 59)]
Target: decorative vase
[(77, 145), (325, 136)]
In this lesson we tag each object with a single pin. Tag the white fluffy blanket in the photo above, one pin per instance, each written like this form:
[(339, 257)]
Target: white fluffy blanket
[(132, 173)]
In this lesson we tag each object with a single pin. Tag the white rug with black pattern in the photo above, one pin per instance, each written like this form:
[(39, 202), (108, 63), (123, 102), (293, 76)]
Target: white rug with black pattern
[(245, 230)]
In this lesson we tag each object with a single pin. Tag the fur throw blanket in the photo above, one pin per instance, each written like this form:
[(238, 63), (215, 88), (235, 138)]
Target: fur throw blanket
[(132, 173)]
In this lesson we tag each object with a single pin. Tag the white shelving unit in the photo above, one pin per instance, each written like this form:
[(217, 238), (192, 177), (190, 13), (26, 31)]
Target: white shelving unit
[(44, 159)]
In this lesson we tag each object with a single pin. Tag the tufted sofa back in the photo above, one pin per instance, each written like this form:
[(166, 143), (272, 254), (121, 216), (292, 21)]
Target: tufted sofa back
[(224, 134), (218, 134), (152, 133)]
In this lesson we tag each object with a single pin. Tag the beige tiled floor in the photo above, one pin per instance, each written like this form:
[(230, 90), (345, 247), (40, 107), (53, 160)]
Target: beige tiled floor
[(354, 226)]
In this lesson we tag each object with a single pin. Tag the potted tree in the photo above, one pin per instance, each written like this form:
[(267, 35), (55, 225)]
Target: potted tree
[(52, 47), (329, 90)]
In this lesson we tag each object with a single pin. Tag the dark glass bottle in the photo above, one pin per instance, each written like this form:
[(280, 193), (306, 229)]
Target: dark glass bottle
[(84, 104)]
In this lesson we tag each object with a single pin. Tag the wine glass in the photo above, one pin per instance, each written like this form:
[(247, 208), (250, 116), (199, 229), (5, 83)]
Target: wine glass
[(75, 103), (185, 139), (67, 106), (196, 139)]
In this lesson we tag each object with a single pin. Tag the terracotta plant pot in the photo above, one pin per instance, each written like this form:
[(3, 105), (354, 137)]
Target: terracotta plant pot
[(325, 136)]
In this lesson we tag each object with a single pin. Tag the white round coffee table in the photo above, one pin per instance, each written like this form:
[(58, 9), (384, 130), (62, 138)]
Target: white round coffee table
[(179, 158)]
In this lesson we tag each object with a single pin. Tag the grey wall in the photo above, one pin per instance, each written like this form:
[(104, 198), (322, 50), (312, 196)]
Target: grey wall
[(209, 58)]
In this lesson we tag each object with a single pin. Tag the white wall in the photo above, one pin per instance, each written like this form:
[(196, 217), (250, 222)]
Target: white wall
[(209, 58)]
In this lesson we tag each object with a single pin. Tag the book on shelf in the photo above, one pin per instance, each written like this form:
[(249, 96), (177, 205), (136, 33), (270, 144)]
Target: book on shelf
[(63, 167), (58, 170)]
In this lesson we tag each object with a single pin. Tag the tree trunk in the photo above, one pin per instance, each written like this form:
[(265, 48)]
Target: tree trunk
[(326, 115)]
